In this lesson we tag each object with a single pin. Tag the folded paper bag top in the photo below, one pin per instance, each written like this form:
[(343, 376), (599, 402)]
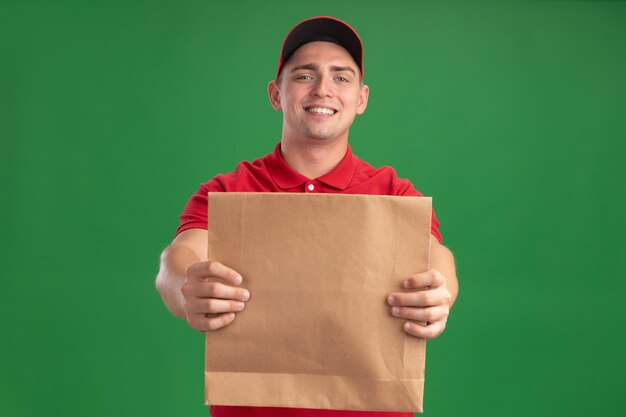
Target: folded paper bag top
[(317, 331)]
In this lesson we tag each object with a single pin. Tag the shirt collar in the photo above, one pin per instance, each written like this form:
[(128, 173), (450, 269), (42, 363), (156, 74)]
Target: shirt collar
[(286, 177)]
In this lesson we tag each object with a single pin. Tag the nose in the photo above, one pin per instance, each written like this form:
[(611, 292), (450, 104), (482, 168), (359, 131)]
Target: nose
[(322, 87)]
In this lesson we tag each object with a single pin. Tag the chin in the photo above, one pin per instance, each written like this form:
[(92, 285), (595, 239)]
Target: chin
[(321, 135), (321, 138)]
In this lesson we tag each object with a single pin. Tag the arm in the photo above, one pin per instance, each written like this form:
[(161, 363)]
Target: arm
[(203, 292), (431, 297)]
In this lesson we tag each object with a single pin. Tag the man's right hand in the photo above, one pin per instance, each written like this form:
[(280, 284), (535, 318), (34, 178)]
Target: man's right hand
[(212, 295)]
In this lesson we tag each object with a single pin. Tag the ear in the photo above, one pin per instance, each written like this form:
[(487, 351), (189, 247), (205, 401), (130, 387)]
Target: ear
[(274, 95), (363, 97)]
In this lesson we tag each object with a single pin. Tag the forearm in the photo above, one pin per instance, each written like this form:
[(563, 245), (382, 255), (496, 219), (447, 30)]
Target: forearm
[(442, 260), (175, 260)]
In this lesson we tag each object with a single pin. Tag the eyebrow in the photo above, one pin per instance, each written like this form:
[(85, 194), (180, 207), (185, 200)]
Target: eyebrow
[(339, 69), (313, 67)]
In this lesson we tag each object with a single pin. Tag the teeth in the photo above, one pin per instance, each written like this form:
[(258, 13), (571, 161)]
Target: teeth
[(321, 110)]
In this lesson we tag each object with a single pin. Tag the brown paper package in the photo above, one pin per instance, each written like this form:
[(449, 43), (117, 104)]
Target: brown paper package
[(317, 331)]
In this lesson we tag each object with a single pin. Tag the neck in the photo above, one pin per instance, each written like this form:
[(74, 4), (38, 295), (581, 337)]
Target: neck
[(312, 158)]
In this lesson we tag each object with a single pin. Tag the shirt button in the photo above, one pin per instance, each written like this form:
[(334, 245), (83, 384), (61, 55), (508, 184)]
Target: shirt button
[(311, 187)]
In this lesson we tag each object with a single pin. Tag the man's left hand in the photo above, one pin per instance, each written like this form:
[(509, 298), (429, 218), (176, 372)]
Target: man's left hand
[(427, 303)]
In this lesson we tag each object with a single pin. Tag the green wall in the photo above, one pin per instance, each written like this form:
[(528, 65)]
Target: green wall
[(511, 115)]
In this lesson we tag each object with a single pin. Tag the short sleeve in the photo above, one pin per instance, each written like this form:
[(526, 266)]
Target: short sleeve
[(196, 211), (406, 188)]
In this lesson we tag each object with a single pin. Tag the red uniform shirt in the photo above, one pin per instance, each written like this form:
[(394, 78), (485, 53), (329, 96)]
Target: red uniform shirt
[(272, 174)]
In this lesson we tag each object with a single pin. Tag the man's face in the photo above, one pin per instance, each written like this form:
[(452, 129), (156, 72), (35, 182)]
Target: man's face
[(319, 92)]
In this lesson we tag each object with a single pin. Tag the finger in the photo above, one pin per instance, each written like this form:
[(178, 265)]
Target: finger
[(214, 269), (425, 298), (217, 290), (429, 279), (429, 314), (429, 331), (213, 305), (203, 323)]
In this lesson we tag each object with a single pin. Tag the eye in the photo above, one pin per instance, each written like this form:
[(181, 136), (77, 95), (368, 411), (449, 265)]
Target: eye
[(304, 77), (342, 80)]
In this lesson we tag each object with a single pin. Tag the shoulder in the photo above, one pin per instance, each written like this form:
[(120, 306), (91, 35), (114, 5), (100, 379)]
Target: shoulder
[(384, 178), (247, 176)]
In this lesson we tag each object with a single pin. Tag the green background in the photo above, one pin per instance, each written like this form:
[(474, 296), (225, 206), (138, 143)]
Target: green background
[(511, 115)]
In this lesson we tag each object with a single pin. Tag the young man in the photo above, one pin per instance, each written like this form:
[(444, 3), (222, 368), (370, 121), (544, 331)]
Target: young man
[(319, 88)]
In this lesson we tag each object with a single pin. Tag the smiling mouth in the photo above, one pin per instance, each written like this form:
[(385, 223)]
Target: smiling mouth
[(321, 110)]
